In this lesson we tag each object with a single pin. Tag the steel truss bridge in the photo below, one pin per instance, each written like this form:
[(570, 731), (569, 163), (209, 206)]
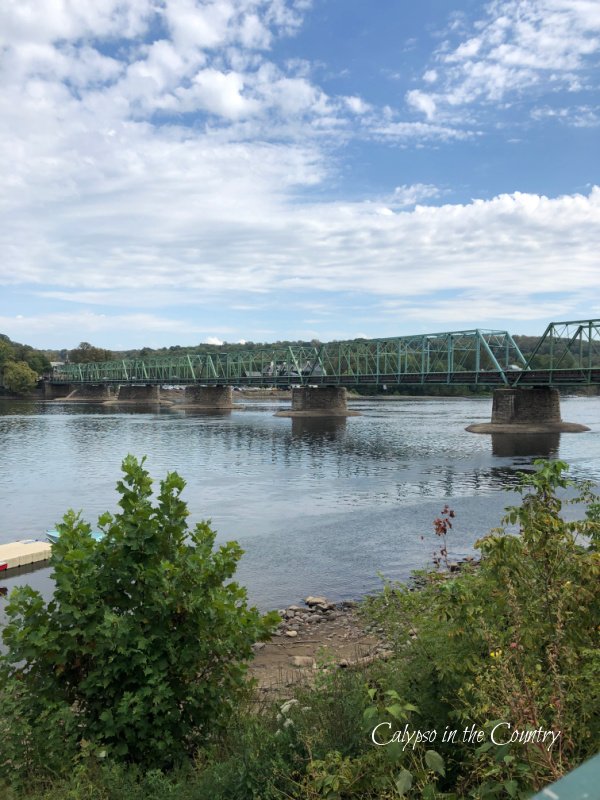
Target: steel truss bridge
[(568, 354)]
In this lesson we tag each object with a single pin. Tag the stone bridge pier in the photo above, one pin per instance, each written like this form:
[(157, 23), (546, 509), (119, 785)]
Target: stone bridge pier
[(209, 397), (102, 392), (87, 392), (319, 401), (138, 393), (530, 410), (56, 391)]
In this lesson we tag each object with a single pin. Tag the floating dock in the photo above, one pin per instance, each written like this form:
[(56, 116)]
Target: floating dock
[(19, 554)]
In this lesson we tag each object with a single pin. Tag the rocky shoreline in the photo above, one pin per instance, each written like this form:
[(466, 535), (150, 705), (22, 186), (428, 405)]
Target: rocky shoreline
[(319, 632), (316, 610), (327, 634)]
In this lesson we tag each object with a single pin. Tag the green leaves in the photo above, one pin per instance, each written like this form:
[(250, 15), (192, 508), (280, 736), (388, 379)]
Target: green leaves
[(435, 762), (513, 639), (396, 711), (146, 635), (18, 377), (403, 782)]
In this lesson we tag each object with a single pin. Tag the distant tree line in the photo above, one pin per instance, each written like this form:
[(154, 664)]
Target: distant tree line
[(86, 353)]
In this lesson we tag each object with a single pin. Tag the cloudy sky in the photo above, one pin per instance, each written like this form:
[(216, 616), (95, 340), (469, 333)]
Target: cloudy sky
[(178, 171)]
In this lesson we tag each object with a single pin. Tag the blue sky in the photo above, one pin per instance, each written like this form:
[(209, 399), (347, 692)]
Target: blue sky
[(179, 171)]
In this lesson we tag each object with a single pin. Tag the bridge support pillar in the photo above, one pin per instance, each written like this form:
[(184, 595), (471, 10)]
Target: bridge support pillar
[(56, 391), (319, 401), (144, 393), (209, 397), (524, 406), (531, 410), (90, 392)]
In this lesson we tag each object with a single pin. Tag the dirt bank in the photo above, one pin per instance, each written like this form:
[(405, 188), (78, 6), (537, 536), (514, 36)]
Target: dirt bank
[(312, 634)]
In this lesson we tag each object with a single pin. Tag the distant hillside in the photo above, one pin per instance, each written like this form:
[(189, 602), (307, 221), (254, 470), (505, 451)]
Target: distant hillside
[(87, 352), (525, 343)]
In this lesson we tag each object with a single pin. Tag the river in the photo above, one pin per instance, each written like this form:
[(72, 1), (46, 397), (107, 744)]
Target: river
[(319, 506)]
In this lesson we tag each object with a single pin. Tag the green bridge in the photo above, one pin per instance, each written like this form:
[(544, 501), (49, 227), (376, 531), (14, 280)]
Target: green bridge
[(526, 388), (567, 354)]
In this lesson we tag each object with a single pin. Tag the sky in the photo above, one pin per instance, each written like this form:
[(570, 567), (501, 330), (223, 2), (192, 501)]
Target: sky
[(183, 171)]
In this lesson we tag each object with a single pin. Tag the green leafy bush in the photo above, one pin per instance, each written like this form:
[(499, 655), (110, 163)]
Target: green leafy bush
[(515, 640), (141, 654)]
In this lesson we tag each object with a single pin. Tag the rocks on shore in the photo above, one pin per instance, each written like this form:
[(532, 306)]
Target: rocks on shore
[(316, 610), (319, 626)]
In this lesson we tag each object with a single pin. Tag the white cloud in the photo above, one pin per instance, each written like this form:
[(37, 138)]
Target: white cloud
[(149, 173), (50, 21), (262, 242), (419, 131), (357, 105), (210, 59), (417, 192), (92, 324), (219, 93), (517, 47), (202, 26), (576, 116), (478, 308), (422, 102)]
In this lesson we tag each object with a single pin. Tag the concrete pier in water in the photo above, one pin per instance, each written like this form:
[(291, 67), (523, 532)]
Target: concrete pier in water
[(209, 397), (321, 401), (138, 393), (92, 393), (57, 391), (534, 410), (103, 392)]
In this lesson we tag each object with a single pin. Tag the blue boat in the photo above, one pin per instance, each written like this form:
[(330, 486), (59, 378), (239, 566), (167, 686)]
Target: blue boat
[(54, 535)]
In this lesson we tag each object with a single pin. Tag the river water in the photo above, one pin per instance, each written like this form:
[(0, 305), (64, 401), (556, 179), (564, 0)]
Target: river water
[(319, 506)]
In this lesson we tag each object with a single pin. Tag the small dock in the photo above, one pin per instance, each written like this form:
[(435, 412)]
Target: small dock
[(23, 553)]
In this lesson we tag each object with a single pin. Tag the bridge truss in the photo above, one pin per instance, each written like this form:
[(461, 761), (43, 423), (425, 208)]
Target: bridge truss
[(472, 357), (568, 353)]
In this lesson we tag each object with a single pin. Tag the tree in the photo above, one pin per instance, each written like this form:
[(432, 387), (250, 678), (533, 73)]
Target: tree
[(38, 362), (86, 352), (18, 377), (7, 352), (142, 651)]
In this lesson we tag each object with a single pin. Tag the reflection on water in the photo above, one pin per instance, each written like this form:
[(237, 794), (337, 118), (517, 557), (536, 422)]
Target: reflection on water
[(202, 412), (319, 505), (138, 407), (315, 429), (541, 445)]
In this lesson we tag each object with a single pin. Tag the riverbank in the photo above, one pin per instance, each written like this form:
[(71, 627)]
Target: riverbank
[(315, 633), (323, 633)]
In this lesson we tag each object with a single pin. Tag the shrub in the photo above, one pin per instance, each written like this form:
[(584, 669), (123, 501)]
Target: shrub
[(18, 377), (141, 654), (513, 640)]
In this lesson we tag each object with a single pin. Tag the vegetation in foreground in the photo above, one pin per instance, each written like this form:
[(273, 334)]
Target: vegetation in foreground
[(130, 682)]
